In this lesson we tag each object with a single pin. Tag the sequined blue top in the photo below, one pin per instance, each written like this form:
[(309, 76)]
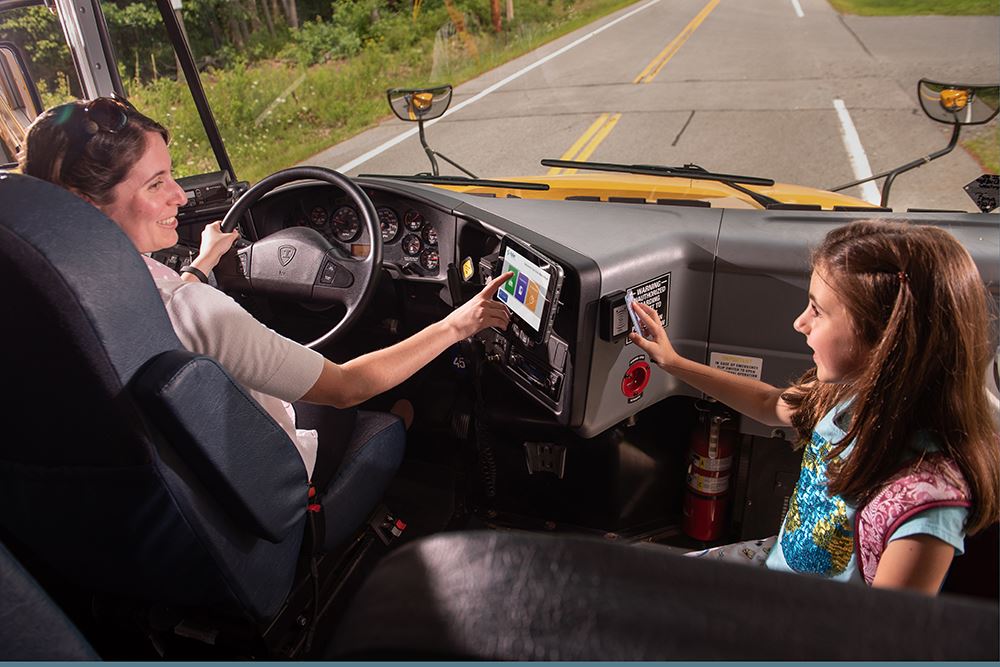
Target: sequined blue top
[(817, 535)]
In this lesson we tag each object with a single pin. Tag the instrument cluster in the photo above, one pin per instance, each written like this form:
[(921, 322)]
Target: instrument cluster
[(409, 235)]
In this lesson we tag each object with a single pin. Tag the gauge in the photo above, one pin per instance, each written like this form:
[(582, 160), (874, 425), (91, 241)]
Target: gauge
[(345, 223), (412, 244), (317, 216), (414, 220), (389, 223), (429, 259), (430, 234)]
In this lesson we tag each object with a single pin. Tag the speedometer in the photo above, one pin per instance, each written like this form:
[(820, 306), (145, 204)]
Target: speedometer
[(389, 223), (345, 223)]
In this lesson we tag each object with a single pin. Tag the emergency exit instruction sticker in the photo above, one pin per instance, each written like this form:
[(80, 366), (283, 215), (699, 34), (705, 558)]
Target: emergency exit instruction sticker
[(654, 293), (737, 364)]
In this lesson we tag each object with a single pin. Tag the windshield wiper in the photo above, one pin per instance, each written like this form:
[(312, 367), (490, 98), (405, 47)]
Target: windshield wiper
[(692, 171), (460, 180)]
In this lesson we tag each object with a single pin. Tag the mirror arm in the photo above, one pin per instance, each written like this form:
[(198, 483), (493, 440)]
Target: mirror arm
[(432, 155), (427, 149), (890, 174), (455, 164)]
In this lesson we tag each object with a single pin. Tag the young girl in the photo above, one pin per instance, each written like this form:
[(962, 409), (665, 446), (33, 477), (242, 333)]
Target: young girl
[(901, 452)]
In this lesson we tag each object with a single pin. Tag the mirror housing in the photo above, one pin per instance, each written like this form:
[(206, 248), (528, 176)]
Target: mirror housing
[(419, 104), (959, 104)]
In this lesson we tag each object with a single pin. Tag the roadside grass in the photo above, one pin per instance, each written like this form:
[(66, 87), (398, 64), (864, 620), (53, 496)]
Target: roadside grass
[(984, 145), (917, 7), (336, 99)]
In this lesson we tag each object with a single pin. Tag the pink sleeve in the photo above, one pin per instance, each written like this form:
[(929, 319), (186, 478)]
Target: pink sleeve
[(158, 270)]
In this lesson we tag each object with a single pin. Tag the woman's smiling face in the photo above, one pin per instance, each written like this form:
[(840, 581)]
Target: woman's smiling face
[(145, 203), (829, 331)]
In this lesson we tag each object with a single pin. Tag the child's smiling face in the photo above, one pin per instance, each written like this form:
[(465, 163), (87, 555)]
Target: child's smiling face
[(829, 331)]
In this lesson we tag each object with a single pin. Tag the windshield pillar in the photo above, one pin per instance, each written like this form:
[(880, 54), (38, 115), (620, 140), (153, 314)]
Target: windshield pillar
[(86, 35)]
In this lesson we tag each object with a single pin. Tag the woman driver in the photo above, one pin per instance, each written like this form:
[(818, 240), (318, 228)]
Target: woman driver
[(117, 159)]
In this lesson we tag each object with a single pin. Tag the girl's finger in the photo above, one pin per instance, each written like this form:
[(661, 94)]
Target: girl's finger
[(492, 286)]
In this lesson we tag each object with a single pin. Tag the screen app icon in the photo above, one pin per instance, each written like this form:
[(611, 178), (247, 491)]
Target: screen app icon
[(521, 288), (531, 298)]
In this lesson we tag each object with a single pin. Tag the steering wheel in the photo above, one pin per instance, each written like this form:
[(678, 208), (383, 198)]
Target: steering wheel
[(300, 264)]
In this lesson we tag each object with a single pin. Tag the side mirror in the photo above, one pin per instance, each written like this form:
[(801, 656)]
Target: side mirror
[(19, 101), (419, 104), (958, 103)]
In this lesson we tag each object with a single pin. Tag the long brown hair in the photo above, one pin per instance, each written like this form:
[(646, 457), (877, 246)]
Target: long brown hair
[(917, 301), (92, 166)]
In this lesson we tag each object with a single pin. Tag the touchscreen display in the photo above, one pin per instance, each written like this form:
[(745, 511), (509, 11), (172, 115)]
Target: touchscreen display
[(524, 293)]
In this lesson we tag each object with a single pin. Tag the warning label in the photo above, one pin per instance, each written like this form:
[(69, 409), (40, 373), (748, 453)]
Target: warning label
[(655, 294), (748, 367)]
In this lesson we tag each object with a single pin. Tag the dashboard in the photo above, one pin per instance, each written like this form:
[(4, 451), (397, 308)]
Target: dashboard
[(413, 232), (727, 284)]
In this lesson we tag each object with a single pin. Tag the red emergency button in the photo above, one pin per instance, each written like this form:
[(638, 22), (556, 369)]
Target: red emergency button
[(635, 380)]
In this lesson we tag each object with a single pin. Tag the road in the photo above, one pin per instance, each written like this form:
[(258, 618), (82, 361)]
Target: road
[(736, 86)]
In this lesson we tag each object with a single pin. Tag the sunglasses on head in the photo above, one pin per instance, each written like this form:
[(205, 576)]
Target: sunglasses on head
[(102, 114)]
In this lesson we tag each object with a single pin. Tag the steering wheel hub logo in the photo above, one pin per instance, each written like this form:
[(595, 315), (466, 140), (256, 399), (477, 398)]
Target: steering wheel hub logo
[(285, 254)]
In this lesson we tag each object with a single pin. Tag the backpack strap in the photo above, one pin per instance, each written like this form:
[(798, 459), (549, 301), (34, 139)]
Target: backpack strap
[(934, 481)]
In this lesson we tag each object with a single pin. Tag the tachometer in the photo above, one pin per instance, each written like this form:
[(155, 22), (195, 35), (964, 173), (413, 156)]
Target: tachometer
[(430, 234), (414, 220), (317, 216), (411, 244), (429, 259), (389, 223), (345, 223)]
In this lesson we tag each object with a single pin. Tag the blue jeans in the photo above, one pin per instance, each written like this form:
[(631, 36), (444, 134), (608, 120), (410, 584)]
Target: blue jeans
[(373, 455)]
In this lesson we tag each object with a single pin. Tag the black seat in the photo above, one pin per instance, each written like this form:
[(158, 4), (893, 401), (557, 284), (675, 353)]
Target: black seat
[(130, 466), (32, 626), (515, 596)]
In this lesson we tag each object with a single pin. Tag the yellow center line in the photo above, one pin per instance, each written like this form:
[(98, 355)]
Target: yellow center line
[(568, 155), (600, 136), (661, 59)]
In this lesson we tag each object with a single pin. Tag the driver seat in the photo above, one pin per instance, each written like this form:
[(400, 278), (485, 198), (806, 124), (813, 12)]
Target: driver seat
[(132, 467)]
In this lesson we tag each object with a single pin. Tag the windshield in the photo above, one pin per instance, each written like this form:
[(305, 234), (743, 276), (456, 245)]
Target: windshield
[(811, 94)]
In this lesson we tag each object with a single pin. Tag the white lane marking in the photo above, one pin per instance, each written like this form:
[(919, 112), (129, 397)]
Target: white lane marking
[(856, 154), (798, 8), (358, 161)]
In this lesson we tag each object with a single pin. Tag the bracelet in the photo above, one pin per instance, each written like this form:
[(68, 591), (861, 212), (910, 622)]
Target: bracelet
[(196, 272)]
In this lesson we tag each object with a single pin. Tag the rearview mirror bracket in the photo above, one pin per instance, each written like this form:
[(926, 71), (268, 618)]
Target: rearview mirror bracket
[(420, 105)]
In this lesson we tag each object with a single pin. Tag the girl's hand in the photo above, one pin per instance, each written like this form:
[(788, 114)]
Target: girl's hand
[(214, 244), (481, 311), (657, 346)]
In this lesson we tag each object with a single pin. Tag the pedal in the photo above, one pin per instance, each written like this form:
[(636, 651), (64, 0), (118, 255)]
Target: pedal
[(387, 526)]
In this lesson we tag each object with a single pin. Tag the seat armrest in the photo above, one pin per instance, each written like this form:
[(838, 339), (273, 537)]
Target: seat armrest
[(232, 444)]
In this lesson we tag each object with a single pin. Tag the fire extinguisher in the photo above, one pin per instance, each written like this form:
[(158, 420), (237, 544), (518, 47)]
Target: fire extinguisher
[(710, 466)]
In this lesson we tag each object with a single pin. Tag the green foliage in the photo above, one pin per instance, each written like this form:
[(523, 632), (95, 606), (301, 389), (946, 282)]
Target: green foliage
[(914, 7), (36, 31), (329, 78), (318, 41)]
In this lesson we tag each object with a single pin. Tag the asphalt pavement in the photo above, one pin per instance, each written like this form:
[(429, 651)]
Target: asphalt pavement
[(736, 86)]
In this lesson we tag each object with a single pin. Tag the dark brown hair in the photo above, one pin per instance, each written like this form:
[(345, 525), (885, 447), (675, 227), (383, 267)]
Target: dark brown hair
[(917, 301), (96, 163)]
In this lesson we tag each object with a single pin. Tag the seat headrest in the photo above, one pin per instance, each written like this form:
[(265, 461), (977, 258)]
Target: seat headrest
[(83, 316)]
